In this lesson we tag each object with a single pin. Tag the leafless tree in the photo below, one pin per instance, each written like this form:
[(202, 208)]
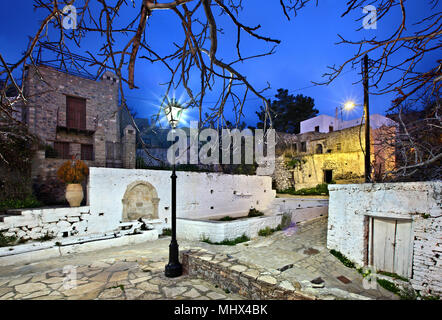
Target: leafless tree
[(125, 40)]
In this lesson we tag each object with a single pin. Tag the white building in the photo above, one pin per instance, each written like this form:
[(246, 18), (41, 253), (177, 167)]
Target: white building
[(325, 123)]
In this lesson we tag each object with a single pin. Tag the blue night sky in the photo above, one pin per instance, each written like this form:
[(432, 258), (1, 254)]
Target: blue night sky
[(307, 48)]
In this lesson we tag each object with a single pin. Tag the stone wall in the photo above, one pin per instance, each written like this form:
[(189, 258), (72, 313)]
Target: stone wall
[(33, 224), (253, 282), (352, 206)]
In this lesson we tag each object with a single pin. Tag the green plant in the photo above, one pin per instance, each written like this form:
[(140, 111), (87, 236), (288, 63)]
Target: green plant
[(167, 232), (268, 231), (425, 215), (6, 241), (226, 218), (388, 285), (28, 202), (227, 242), (345, 261), (254, 213), (320, 189), (119, 286), (392, 275)]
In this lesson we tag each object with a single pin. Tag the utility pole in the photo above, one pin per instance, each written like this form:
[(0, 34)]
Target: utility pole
[(367, 121)]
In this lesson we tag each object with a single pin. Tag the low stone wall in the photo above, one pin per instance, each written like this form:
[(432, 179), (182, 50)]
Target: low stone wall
[(217, 231), (37, 251), (253, 282), (33, 224), (352, 206)]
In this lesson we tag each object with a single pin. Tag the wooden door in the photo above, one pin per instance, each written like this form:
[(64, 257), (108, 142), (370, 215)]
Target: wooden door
[(392, 246)]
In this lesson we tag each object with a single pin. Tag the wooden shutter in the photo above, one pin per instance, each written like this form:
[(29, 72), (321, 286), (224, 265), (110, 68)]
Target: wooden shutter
[(75, 113), (87, 152), (62, 149)]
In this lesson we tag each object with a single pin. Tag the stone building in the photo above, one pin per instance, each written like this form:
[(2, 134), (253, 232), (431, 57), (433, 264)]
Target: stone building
[(311, 158), (75, 117)]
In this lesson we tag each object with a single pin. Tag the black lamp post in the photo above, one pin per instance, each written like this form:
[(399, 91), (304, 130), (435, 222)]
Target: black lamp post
[(173, 111)]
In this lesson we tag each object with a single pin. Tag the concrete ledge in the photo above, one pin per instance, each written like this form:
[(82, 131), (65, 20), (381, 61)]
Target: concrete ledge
[(38, 252), (217, 231)]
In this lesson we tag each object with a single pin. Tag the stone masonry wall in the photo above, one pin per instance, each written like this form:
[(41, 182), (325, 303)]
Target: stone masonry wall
[(33, 224), (351, 206), (251, 281)]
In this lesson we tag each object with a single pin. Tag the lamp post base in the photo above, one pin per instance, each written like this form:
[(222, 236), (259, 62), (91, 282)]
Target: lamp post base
[(174, 269)]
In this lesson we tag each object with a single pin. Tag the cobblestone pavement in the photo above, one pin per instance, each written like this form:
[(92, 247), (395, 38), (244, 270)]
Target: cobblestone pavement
[(302, 255), (107, 279), (137, 272)]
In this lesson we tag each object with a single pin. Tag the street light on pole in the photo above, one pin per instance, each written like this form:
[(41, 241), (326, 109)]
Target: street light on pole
[(347, 106), (173, 111), (367, 120)]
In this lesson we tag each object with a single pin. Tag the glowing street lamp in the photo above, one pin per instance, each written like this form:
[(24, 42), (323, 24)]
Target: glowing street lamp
[(173, 111), (349, 105)]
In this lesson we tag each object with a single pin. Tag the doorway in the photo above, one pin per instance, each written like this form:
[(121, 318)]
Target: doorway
[(391, 245), (328, 176)]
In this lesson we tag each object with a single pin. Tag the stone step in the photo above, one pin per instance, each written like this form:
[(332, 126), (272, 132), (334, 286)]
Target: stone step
[(3, 216), (14, 212)]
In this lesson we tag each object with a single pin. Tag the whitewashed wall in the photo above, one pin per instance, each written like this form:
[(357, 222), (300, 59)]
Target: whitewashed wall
[(199, 195), (420, 202)]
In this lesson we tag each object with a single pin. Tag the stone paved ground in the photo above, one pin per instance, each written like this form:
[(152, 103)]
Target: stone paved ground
[(302, 250), (118, 278), (137, 272)]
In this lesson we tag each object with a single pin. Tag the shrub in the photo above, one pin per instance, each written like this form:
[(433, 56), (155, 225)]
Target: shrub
[(227, 242), (348, 263), (226, 218), (73, 172), (387, 285), (320, 189), (167, 232), (28, 202), (17, 148), (268, 231), (6, 241), (254, 213), (392, 275)]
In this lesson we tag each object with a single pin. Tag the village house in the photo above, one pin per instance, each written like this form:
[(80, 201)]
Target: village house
[(329, 150), (74, 117)]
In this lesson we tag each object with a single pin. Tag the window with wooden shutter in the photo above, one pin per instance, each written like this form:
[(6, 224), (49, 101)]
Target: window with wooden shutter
[(87, 152), (62, 149), (76, 113)]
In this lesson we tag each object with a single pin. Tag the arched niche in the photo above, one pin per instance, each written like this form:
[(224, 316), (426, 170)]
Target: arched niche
[(140, 201)]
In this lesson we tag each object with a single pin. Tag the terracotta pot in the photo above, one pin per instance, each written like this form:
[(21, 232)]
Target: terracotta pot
[(74, 194)]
